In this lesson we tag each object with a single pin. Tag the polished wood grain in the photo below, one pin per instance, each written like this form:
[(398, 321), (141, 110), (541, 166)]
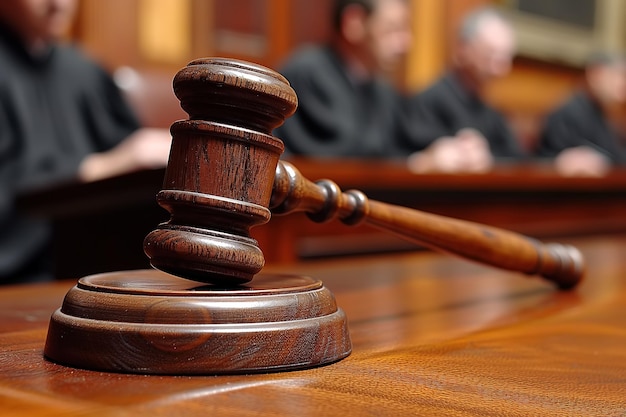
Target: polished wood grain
[(432, 335)]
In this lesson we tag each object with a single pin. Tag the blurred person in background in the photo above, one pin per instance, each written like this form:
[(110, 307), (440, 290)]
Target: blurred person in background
[(61, 118), (578, 134), (451, 126), (346, 106)]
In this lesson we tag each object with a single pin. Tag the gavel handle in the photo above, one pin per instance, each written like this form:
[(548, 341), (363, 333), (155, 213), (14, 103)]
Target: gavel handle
[(323, 200)]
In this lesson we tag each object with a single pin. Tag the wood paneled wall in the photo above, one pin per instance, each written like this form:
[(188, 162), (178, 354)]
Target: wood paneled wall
[(264, 31), (146, 33)]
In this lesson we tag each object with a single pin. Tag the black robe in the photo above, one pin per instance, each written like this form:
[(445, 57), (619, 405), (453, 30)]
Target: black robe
[(337, 116), (580, 122), (55, 109), (447, 107)]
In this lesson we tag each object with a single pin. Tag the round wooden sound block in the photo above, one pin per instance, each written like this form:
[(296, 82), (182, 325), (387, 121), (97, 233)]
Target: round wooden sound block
[(151, 322)]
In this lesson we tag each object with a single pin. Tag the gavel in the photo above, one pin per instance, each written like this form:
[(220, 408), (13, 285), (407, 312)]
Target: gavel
[(203, 313), (224, 175)]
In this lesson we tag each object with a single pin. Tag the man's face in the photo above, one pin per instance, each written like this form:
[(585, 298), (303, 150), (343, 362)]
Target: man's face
[(489, 53), (608, 82), (40, 20), (389, 33)]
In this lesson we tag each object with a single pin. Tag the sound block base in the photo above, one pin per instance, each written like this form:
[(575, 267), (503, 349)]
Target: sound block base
[(150, 322)]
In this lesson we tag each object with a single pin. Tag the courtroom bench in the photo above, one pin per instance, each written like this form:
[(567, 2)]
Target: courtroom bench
[(100, 226)]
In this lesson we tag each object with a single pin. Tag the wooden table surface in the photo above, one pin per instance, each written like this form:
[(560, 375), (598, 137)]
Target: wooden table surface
[(432, 335)]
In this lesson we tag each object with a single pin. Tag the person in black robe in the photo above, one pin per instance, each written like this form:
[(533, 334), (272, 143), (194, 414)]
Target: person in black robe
[(452, 128), (61, 118), (346, 107), (578, 135)]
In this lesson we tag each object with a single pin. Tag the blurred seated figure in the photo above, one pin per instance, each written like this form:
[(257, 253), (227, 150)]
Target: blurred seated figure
[(578, 135), (452, 128), (61, 118), (346, 107)]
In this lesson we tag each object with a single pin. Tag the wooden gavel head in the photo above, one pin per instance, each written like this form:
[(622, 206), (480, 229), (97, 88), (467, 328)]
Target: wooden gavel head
[(218, 182)]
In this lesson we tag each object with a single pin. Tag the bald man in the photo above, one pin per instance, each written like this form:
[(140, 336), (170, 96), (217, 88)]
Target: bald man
[(346, 107), (452, 128)]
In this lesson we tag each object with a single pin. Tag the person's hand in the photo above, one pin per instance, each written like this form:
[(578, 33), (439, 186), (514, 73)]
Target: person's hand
[(147, 148), (467, 152), (443, 155), (476, 149), (582, 161)]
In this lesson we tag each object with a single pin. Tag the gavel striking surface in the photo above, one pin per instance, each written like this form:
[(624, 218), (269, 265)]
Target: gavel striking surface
[(119, 320)]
